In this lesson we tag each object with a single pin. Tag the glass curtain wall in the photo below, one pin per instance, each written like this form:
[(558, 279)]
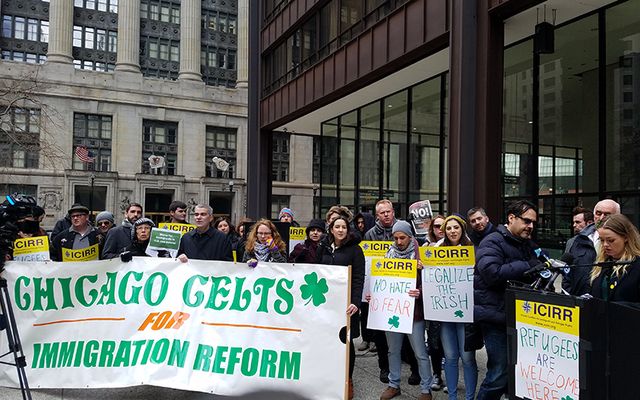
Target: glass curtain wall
[(391, 148), (586, 146)]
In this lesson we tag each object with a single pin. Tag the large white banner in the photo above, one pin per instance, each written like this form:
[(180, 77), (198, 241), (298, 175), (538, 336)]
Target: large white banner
[(208, 326), (548, 362), (447, 283)]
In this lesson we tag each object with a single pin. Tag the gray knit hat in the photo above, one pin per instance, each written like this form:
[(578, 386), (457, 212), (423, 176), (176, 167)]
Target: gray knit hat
[(105, 215), (141, 221), (402, 226)]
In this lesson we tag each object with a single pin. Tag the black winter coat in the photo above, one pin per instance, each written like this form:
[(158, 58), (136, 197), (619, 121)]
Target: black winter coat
[(476, 237), (501, 257), (64, 240), (577, 280), (348, 254), (625, 289), (118, 239)]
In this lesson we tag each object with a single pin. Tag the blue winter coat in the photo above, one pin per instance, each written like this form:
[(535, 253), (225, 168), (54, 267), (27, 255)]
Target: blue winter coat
[(501, 257)]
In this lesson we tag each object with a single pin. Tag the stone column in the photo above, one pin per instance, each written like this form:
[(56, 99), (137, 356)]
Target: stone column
[(128, 36), (242, 64), (60, 32), (190, 36)]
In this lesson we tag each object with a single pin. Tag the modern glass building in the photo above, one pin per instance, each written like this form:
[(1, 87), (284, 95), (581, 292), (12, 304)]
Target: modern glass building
[(461, 111)]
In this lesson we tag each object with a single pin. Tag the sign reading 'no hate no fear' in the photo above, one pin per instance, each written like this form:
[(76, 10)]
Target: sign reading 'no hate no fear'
[(208, 326), (447, 283), (371, 249), (391, 307), (548, 351)]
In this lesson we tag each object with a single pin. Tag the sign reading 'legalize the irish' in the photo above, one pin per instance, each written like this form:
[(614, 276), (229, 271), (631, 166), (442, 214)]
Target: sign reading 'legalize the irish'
[(210, 326)]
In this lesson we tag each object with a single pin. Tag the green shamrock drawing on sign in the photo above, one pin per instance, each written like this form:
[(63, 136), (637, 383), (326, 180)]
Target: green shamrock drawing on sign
[(314, 289), (394, 321), (567, 398), (459, 314)]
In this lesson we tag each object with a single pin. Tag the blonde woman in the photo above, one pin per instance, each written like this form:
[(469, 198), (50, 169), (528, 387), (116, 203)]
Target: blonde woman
[(619, 241), (264, 244)]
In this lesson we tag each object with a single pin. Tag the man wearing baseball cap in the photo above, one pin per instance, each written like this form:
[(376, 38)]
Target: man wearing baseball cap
[(81, 235)]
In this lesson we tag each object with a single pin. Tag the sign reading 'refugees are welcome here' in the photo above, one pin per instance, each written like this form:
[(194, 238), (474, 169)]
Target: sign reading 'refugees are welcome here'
[(209, 326)]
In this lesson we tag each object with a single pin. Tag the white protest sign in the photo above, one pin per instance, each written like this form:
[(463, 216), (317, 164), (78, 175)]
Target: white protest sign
[(164, 239), (421, 216), (447, 283), (371, 249), (209, 326), (548, 349), (391, 307), (297, 234), (31, 249)]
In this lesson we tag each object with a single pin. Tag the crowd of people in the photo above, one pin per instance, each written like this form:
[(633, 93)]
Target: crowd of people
[(504, 253)]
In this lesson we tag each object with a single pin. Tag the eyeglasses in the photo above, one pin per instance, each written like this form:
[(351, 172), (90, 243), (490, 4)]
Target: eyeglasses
[(263, 233), (77, 216), (526, 221)]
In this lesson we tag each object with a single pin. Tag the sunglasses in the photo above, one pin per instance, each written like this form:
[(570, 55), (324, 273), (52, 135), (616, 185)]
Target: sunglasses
[(437, 225), (526, 221), (104, 223)]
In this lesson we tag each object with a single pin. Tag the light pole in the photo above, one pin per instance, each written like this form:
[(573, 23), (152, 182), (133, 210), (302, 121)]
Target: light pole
[(92, 179), (315, 201)]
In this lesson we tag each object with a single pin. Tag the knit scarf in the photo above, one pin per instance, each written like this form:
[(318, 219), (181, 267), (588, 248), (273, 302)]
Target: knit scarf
[(261, 251), (408, 253)]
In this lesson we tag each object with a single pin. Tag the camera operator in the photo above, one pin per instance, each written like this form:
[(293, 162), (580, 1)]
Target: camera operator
[(17, 221)]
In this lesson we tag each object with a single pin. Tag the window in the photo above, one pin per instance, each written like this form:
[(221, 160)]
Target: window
[(92, 38), (94, 132), (160, 138), (278, 202), (21, 28), (163, 49), (164, 11), (280, 161), (100, 5), (221, 143), (20, 138)]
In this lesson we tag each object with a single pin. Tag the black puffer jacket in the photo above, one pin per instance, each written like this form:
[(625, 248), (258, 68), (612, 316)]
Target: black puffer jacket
[(348, 254), (501, 257), (577, 282)]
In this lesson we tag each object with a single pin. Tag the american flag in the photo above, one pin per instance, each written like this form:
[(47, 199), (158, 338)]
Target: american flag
[(85, 155)]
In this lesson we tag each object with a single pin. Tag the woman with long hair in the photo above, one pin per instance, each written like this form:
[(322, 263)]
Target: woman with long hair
[(434, 344), (264, 244), (342, 248), (452, 334), (224, 225), (619, 241)]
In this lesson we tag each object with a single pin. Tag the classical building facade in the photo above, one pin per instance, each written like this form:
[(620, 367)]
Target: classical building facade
[(463, 103)]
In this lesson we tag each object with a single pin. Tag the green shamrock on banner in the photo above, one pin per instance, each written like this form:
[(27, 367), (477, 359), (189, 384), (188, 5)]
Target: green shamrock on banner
[(394, 321), (567, 398), (314, 289), (459, 314)]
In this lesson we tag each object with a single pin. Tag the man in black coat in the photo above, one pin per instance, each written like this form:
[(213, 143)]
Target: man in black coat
[(80, 235), (205, 242), (481, 227), (503, 256), (119, 238)]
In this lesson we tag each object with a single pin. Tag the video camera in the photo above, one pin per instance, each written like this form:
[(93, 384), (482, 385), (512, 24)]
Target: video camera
[(13, 209)]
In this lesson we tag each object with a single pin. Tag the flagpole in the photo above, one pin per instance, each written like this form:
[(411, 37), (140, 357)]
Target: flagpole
[(92, 178)]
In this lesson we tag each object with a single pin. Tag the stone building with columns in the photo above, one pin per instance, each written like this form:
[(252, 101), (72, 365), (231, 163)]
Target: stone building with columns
[(128, 80)]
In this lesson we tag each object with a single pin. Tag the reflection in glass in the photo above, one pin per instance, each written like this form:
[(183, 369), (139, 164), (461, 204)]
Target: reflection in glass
[(623, 96)]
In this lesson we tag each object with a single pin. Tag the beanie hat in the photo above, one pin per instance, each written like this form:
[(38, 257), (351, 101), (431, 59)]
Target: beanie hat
[(402, 226), (285, 211), (141, 221), (456, 217), (316, 223), (105, 215)]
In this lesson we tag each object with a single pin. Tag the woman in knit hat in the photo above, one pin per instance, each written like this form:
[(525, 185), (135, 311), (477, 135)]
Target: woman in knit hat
[(140, 236), (452, 334), (306, 252), (405, 246), (286, 215)]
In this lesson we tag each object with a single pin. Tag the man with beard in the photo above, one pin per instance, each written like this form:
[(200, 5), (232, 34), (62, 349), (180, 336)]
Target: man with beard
[(504, 255), (481, 227), (119, 238)]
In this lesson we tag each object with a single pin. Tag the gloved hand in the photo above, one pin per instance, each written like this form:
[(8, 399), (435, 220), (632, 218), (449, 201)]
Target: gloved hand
[(252, 263), (126, 256)]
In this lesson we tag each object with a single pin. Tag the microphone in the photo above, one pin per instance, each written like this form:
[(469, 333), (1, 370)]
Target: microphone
[(559, 267), (549, 264)]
